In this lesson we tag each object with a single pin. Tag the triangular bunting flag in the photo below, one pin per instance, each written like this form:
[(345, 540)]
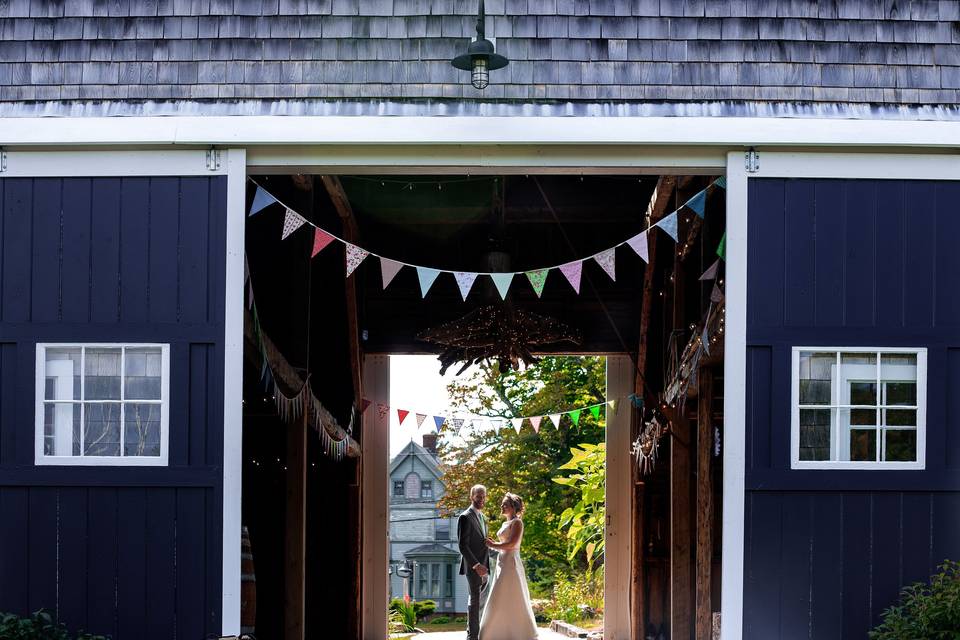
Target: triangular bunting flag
[(364, 403), (608, 261), (438, 422), (355, 255), (612, 404), (457, 424), (420, 418), (465, 282), (722, 248), (705, 341), (402, 414), (388, 269), (261, 200), (721, 182), (717, 294), (427, 277), (320, 241), (669, 224), (575, 416), (639, 244), (595, 411), (555, 419), (535, 423), (291, 222), (382, 410), (502, 282), (537, 280), (636, 400), (572, 271), (711, 273), (517, 423), (698, 202)]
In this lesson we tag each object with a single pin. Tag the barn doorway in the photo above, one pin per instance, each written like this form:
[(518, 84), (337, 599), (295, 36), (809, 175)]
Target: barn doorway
[(324, 325)]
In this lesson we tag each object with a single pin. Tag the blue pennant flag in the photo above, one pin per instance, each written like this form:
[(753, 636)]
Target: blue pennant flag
[(438, 421), (697, 202), (261, 200), (426, 277), (669, 224), (721, 182)]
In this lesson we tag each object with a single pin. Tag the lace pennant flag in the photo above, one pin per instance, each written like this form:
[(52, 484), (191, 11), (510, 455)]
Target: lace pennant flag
[(575, 416), (697, 203), (537, 280), (355, 255), (402, 414), (388, 269), (717, 294), (595, 411), (320, 241), (555, 419), (572, 271), (669, 224), (639, 244), (261, 200), (502, 281), (427, 277), (612, 404), (382, 410), (711, 273), (535, 423), (517, 423), (465, 282), (291, 222), (420, 418), (608, 262), (457, 425), (438, 422)]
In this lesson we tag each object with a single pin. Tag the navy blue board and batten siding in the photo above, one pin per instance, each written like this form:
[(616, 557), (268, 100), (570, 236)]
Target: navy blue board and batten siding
[(133, 552), (841, 263)]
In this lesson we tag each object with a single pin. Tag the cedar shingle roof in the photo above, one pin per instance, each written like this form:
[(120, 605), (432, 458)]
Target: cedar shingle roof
[(882, 52)]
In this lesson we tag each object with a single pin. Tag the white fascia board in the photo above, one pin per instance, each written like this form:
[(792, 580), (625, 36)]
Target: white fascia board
[(476, 130)]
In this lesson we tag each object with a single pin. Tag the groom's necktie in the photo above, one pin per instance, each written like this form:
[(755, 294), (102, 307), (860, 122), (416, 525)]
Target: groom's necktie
[(483, 524)]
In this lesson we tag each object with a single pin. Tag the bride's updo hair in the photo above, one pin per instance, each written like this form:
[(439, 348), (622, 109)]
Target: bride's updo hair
[(515, 502)]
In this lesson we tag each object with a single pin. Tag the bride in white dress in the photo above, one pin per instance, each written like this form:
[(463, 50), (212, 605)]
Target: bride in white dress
[(508, 614)]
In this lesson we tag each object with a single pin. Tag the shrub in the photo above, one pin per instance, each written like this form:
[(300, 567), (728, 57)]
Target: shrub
[(405, 612), (925, 611), (575, 598), (440, 620), (423, 608), (39, 626), (460, 620)]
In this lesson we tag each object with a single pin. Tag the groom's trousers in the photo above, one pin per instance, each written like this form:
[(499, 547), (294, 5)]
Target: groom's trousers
[(477, 589)]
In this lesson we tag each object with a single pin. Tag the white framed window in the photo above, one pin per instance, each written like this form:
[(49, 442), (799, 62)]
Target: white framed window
[(858, 408), (102, 404)]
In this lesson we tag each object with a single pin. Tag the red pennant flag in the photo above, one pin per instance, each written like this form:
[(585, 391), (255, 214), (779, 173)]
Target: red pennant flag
[(320, 240), (364, 403), (402, 414)]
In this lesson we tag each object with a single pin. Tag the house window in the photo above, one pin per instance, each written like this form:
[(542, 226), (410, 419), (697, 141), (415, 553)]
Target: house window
[(426, 489), (423, 575), (858, 408), (102, 404), (448, 582), (441, 530), (412, 486), (435, 580), (398, 488)]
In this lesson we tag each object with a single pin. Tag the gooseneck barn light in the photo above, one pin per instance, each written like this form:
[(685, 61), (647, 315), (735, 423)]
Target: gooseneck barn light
[(480, 58)]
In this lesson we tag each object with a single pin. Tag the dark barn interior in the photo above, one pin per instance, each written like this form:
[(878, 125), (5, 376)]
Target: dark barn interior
[(301, 506)]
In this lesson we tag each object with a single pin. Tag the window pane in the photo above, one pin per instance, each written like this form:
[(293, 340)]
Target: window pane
[(141, 435), (858, 359), (102, 374), (102, 429), (815, 369), (863, 445), (142, 375), (901, 417), (61, 429), (815, 434), (901, 445), (62, 374), (863, 417), (863, 393), (901, 393)]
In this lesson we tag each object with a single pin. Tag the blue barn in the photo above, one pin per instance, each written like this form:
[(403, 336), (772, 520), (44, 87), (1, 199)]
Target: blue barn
[(186, 448)]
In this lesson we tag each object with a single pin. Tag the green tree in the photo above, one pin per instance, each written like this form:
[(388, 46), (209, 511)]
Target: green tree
[(525, 463), (584, 521)]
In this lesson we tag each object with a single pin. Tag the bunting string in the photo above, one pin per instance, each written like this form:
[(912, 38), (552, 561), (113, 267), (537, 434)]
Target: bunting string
[(465, 280)]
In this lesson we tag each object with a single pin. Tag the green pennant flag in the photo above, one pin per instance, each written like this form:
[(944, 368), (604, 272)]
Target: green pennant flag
[(595, 410), (537, 280), (722, 248), (575, 416)]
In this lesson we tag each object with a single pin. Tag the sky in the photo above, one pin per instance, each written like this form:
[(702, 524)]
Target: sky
[(417, 386)]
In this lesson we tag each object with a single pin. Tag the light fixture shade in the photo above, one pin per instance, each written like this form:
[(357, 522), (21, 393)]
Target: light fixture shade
[(480, 58)]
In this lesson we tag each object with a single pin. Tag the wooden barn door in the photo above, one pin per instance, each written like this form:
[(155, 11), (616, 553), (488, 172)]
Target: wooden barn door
[(100, 252)]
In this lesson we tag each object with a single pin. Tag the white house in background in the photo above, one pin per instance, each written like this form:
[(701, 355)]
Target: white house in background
[(419, 538)]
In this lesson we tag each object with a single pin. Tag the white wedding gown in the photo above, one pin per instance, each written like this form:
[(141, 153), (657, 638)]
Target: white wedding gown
[(508, 614)]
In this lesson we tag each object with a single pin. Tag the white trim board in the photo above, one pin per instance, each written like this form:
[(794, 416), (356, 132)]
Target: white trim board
[(375, 523), (476, 130)]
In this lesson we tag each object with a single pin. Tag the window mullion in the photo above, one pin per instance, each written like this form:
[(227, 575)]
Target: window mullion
[(83, 402), (123, 352), (880, 454)]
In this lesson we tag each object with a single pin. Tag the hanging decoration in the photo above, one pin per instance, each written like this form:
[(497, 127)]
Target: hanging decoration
[(572, 271), (647, 445)]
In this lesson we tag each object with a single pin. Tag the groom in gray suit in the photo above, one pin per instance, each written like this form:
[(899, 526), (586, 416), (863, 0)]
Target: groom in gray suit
[(474, 555)]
